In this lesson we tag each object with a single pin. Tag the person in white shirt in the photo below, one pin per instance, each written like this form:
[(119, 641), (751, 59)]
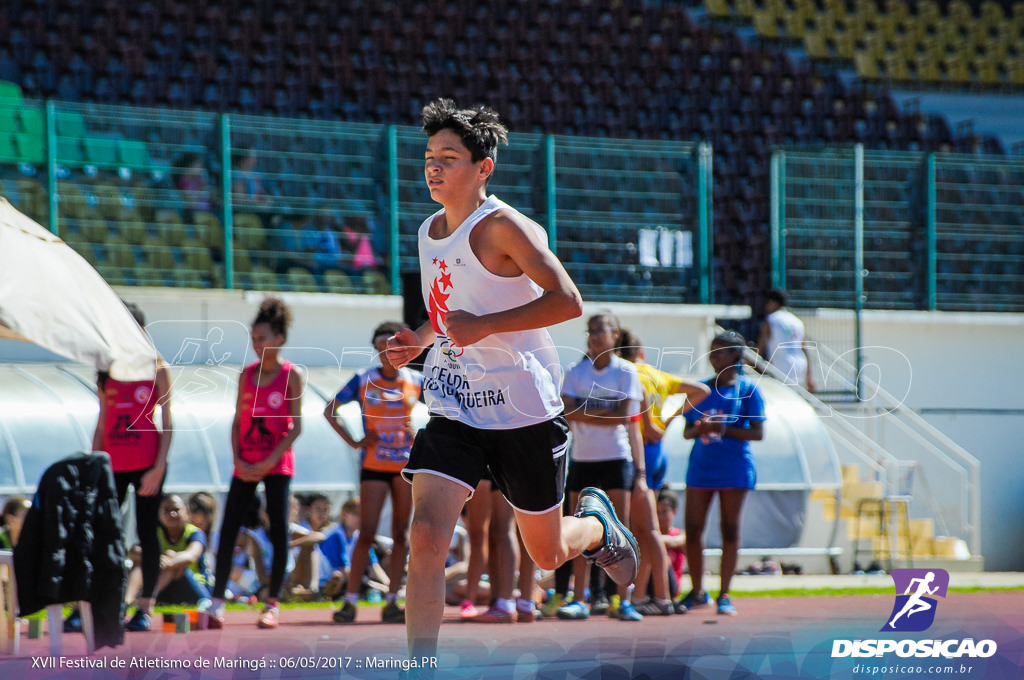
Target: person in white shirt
[(781, 342), (491, 287), (602, 394)]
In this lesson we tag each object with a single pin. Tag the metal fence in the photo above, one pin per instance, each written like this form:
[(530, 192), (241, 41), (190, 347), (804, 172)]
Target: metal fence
[(172, 198), (898, 230)]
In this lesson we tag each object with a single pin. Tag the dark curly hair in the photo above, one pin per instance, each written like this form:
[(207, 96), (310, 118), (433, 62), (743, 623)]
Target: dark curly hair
[(274, 312), (480, 128), (387, 328)]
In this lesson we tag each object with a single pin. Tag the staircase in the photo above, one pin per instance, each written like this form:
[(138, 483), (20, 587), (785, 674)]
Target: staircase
[(891, 458)]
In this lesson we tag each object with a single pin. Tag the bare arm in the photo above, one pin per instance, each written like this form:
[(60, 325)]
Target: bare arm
[(513, 245), (636, 446), (151, 481), (678, 541), (577, 411), (339, 426), (693, 392), (97, 435), (406, 345), (762, 340)]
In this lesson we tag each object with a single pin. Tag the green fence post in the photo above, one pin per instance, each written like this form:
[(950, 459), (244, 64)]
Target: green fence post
[(225, 184), (51, 166), (392, 133), (777, 244), (931, 241), (858, 256), (549, 192), (704, 217)]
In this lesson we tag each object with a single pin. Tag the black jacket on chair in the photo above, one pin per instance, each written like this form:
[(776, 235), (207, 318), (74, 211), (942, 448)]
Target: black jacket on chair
[(71, 546)]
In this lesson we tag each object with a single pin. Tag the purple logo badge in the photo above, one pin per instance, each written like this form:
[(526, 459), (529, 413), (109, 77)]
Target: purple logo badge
[(916, 590)]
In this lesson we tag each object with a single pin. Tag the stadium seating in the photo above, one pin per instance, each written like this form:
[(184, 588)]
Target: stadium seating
[(624, 70)]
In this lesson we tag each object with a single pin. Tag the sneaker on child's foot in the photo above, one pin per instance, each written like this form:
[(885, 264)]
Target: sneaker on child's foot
[(527, 613), (574, 610), (652, 607), (695, 599), (620, 555), (468, 610), (551, 607), (600, 604), (725, 606), (268, 618), (627, 612), (392, 613), (347, 613), (495, 615), (140, 622)]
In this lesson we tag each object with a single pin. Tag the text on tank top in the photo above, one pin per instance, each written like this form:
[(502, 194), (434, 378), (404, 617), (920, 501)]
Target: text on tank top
[(130, 435), (265, 418), (506, 380)]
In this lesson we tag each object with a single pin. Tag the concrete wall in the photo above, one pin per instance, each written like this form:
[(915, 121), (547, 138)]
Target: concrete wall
[(961, 371)]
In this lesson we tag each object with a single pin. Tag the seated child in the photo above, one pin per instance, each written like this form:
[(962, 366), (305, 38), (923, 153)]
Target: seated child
[(184, 575)]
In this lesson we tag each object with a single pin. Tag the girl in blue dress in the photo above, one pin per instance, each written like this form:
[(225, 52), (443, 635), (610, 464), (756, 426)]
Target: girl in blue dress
[(723, 425)]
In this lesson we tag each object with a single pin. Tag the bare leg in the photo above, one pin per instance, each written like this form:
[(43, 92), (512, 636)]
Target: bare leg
[(478, 519), (372, 495), (401, 509), (645, 528), (504, 547), (694, 518), (527, 573), (620, 500), (731, 505), (436, 505)]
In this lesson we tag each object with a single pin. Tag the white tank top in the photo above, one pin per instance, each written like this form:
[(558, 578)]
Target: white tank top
[(505, 381), (785, 345)]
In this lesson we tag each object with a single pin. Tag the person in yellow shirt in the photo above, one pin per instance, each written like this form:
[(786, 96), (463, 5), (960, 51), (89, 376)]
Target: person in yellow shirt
[(658, 387)]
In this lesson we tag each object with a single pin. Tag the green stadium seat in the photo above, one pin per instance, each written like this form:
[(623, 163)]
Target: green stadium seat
[(300, 278), (9, 120), (133, 153), (8, 151), (243, 263), (32, 122), (170, 223), (198, 258), (249, 231), (337, 282), (160, 258), (31, 148), (375, 283), (210, 231), (11, 92), (101, 151), (133, 232), (69, 150), (148, 276), (264, 278), (70, 124)]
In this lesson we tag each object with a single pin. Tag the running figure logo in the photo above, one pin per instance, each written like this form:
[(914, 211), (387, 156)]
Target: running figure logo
[(914, 610)]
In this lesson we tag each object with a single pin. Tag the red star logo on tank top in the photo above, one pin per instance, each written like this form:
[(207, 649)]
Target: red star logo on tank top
[(437, 304)]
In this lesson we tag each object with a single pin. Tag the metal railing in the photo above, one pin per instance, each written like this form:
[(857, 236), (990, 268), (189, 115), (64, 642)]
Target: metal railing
[(183, 198), (857, 228)]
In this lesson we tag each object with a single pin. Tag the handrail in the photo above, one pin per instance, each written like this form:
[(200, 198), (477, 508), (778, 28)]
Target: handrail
[(940, 445)]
